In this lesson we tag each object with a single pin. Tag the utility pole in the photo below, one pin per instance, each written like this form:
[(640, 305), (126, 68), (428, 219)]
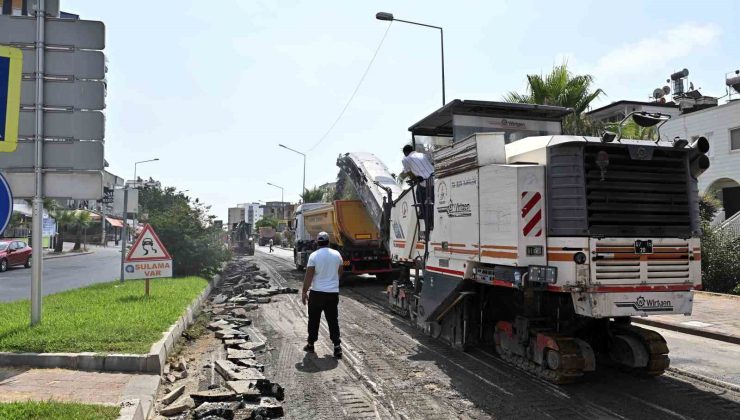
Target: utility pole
[(37, 255)]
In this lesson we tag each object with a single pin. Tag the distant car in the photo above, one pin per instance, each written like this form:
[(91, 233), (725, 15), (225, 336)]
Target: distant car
[(13, 253)]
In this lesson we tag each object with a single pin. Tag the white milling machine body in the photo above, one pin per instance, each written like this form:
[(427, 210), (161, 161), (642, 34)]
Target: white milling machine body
[(543, 245)]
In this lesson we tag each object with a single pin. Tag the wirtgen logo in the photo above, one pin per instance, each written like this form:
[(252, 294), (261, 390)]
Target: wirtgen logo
[(647, 305)]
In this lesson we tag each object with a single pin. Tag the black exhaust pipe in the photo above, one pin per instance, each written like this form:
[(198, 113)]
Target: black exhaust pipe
[(699, 165)]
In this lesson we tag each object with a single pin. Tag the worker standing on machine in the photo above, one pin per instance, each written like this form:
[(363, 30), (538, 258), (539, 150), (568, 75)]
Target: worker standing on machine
[(417, 166), (323, 270)]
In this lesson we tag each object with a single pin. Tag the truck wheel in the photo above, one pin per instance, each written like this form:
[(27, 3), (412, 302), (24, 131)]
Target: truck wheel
[(3, 265)]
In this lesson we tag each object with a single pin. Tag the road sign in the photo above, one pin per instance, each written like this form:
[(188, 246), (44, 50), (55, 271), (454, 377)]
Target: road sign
[(132, 204), (69, 155), (6, 204), (62, 185), (148, 258), (108, 195), (76, 125), (83, 64), (83, 34), (11, 60), (78, 94)]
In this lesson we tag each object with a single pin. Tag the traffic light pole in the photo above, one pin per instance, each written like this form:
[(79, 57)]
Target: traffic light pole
[(37, 255)]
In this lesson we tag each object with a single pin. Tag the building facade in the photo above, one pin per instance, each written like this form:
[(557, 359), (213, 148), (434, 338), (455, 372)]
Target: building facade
[(254, 212), (721, 126), (616, 111)]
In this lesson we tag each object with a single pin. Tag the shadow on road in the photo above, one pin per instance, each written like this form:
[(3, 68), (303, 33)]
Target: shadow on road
[(313, 364)]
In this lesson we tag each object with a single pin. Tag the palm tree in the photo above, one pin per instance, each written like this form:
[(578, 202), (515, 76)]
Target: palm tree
[(64, 219), (81, 221), (561, 88), (313, 195)]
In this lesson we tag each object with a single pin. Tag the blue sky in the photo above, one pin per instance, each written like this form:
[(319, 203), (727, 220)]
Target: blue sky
[(211, 88)]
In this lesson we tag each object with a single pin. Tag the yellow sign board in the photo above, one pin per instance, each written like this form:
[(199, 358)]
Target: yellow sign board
[(11, 63)]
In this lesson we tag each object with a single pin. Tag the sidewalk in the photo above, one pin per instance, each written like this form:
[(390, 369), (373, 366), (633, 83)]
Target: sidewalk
[(67, 250), (23, 384), (714, 316)]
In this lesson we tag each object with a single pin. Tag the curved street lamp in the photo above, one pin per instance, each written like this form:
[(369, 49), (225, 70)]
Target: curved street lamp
[(389, 17)]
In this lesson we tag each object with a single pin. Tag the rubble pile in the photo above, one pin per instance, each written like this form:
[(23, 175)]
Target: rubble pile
[(241, 391)]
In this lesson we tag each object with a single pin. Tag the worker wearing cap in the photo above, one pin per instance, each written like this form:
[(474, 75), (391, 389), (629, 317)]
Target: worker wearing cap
[(323, 270), (417, 166)]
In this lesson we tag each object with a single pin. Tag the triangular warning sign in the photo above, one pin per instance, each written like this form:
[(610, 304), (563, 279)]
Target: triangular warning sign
[(148, 247)]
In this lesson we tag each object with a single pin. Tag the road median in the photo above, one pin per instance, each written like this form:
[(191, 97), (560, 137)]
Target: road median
[(104, 327)]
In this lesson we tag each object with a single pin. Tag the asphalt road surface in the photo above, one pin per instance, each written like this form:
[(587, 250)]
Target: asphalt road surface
[(63, 274), (407, 371)]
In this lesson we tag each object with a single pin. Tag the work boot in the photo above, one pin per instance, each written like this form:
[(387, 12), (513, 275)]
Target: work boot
[(338, 351), (309, 348)]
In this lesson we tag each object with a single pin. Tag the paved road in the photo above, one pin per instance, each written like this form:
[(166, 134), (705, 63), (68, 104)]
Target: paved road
[(62, 274), (407, 372)]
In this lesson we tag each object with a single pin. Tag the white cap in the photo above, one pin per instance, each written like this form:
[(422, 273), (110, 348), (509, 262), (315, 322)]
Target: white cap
[(322, 237)]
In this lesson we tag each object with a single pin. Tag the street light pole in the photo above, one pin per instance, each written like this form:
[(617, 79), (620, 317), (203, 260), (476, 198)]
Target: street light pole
[(304, 166), (282, 198), (136, 186), (389, 17), (124, 230)]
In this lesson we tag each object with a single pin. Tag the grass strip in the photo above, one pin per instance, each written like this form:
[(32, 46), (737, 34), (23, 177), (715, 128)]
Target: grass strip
[(103, 318), (43, 410)]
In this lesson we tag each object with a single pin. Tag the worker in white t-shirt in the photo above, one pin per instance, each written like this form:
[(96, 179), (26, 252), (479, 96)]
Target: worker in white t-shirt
[(417, 167), (323, 271)]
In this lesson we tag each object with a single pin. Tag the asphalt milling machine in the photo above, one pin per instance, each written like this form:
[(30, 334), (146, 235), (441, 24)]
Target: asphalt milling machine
[(241, 239), (540, 245)]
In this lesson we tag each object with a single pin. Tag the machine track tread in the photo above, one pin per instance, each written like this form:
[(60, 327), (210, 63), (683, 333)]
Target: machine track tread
[(656, 346), (571, 365)]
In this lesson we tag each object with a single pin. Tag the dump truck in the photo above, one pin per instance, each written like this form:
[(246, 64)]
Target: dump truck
[(542, 246), (241, 239), (351, 231), (266, 233)]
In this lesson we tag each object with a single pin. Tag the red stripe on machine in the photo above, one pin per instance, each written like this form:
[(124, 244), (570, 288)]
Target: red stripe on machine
[(445, 271), (531, 203), (532, 223)]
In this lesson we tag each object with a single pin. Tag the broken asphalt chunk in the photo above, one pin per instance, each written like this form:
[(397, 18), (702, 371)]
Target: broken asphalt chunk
[(173, 395)]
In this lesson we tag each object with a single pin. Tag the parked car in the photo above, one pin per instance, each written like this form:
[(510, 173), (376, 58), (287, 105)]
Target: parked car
[(13, 253)]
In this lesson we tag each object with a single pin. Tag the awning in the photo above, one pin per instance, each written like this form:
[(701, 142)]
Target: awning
[(115, 222)]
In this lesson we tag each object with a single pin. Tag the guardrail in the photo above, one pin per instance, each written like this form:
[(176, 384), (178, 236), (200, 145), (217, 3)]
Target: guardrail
[(732, 225)]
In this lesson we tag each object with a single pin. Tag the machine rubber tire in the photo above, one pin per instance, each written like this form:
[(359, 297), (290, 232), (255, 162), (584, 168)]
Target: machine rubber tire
[(28, 262), (3, 265)]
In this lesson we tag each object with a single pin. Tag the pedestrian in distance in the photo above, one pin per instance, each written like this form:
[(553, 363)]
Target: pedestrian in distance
[(270, 245), (321, 292)]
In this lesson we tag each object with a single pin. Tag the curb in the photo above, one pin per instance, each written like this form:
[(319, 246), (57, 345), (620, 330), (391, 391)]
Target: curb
[(714, 294), (732, 339), (76, 254), (131, 410), (698, 377), (153, 362)]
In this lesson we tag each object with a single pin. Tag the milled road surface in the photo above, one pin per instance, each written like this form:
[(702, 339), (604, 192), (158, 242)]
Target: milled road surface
[(393, 370), (62, 274)]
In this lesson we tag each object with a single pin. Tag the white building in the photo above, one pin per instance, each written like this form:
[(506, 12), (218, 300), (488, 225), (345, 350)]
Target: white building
[(721, 126), (253, 212), (236, 215), (616, 111)]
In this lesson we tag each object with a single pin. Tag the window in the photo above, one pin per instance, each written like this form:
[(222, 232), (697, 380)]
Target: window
[(21, 245), (735, 139)]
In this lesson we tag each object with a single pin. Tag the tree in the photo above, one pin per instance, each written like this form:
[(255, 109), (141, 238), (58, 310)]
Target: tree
[(64, 219), (313, 195), (267, 221), (81, 220), (560, 87), (720, 251), (631, 130), (186, 229)]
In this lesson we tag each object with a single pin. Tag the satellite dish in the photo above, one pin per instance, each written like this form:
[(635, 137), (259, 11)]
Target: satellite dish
[(666, 89), (658, 93)]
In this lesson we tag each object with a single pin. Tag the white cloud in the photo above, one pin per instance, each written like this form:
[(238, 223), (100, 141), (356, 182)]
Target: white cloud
[(657, 51)]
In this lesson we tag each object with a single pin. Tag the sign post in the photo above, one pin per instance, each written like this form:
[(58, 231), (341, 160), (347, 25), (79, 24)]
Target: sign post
[(147, 259), (60, 126)]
